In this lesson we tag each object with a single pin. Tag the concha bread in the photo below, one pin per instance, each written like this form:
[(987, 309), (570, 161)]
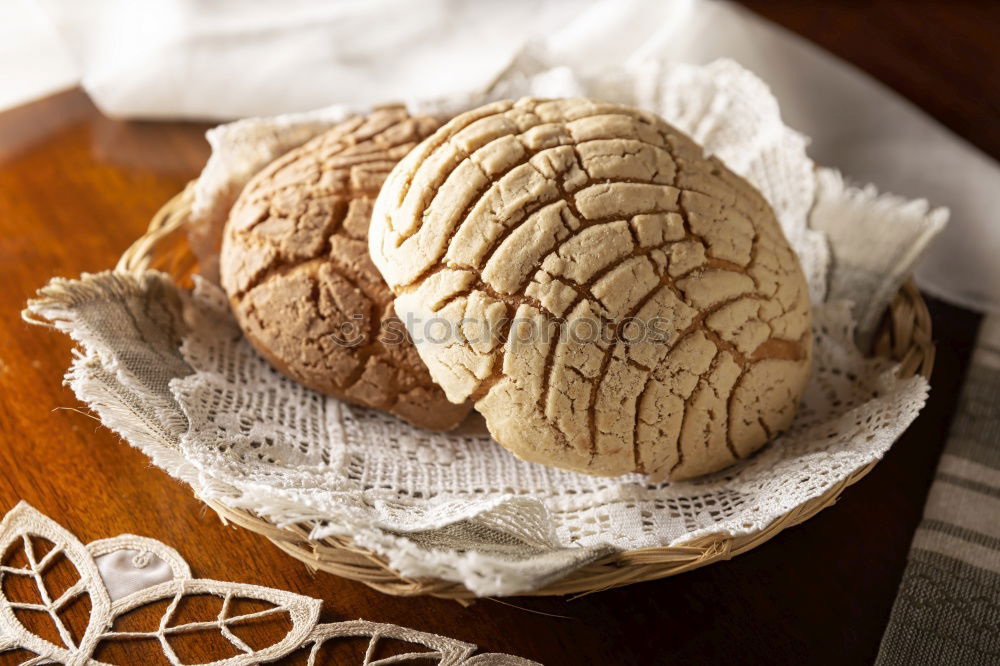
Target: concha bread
[(295, 265), (568, 215)]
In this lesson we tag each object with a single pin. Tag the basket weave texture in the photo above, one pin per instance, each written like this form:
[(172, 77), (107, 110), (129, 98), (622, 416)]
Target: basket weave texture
[(904, 335)]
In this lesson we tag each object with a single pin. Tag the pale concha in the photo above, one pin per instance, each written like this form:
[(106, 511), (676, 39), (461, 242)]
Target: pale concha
[(612, 299)]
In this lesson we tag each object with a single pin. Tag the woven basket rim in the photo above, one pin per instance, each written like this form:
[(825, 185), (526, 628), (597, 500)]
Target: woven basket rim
[(903, 335)]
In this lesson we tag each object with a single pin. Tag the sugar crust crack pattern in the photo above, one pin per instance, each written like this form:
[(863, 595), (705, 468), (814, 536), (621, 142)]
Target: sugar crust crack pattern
[(295, 264), (569, 213)]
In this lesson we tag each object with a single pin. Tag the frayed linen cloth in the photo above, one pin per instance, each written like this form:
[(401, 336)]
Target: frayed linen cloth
[(169, 371)]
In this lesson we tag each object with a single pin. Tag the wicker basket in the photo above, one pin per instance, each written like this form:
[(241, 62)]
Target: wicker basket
[(904, 335)]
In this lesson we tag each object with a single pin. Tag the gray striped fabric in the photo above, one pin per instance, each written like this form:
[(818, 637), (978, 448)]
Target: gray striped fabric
[(947, 610)]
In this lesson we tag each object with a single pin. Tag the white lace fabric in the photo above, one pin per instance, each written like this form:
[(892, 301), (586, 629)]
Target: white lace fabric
[(457, 506)]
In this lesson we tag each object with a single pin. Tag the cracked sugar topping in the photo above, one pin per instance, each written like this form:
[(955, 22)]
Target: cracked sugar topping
[(612, 299), (296, 268)]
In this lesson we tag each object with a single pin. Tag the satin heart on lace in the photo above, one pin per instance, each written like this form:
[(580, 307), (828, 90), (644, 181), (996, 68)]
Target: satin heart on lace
[(129, 564)]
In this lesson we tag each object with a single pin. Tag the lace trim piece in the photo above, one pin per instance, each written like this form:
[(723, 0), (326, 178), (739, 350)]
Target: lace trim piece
[(127, 572)]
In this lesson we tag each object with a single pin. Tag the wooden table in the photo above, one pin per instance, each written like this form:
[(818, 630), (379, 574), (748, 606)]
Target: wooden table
[(75, 190)]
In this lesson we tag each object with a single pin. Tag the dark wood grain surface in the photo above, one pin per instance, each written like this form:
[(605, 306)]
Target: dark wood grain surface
[(75, 190)]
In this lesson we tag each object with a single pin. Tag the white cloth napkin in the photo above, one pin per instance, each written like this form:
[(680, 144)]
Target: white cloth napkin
[(235, 58)]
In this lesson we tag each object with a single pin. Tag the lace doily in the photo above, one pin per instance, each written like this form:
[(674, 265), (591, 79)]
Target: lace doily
[(457, 506), (141, 595)]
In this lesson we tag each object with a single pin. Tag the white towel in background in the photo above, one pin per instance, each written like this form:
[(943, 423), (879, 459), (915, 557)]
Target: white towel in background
[(232, 58)]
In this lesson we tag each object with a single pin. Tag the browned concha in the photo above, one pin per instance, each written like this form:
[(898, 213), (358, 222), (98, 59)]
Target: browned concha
[(295, 266), (614, 300)]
